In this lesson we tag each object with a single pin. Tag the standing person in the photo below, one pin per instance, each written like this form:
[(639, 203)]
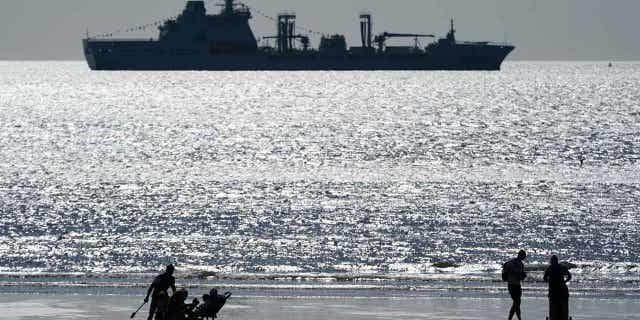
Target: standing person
[(513, 273), (158, 290), (557, 276)]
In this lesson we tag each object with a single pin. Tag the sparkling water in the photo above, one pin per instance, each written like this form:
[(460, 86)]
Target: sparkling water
[(393, 176)]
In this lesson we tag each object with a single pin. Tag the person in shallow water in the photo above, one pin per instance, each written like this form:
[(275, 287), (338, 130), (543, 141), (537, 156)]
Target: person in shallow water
[(557, 276), (513, 273), (158, 290)]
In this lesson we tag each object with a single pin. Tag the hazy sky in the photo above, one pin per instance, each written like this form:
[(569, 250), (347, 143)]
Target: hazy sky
[(541, 29)]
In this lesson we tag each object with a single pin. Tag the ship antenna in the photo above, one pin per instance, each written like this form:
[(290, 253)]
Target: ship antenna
[(453, 31), (452, 34)]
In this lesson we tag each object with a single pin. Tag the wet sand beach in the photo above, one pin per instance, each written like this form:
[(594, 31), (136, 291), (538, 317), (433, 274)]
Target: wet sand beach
[(24, 307)]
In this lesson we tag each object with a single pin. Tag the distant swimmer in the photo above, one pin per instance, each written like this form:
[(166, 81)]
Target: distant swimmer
[(581, 158), (513, 273), (610, 65), (159, 292), (557, 276)]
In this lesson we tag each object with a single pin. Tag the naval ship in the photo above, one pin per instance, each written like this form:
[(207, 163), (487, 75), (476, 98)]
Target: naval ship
[(195, 40)]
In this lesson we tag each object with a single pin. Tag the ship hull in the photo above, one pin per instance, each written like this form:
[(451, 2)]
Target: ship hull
[(152, 55)]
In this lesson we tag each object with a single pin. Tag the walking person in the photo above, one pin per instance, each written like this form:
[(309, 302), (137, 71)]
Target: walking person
[(513, 273), (557, 276), (158, 290)]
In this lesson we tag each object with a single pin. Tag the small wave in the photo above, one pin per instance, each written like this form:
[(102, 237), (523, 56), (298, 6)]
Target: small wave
[(441, 271), (75, 275)]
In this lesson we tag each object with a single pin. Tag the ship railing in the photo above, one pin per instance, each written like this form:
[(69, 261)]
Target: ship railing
[(488, 43), (496, 43), (120, 39)]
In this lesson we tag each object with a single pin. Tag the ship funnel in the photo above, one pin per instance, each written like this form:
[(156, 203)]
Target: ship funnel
[(366, 30), (286, 31), (292, 29)]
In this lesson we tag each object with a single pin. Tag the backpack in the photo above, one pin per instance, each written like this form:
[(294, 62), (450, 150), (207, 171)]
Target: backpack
[(505, 273)]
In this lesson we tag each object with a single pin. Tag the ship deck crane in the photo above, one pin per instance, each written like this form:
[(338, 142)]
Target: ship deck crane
[(381, 39), (287, 33)]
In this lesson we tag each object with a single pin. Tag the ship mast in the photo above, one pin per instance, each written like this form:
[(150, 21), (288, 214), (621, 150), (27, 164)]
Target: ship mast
[(228, 7), (451, 36)]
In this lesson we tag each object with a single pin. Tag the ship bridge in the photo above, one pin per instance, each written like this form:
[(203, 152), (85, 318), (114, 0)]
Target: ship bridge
[(226, 32)]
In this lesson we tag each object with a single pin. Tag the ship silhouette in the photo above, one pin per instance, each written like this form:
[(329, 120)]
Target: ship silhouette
[(225, 41)]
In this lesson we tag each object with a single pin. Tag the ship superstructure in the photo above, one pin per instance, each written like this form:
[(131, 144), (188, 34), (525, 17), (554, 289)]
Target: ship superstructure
[(195, 40)]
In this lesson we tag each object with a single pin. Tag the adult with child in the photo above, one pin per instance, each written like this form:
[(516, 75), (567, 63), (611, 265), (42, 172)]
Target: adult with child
[(158, 290)]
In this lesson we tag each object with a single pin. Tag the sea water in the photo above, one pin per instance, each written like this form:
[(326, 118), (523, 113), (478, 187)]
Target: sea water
[(319, 182)]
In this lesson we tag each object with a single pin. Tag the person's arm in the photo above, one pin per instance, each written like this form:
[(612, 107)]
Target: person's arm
[(146, 299), (523, 275), (173, 287), (568, 276), (546, 276)]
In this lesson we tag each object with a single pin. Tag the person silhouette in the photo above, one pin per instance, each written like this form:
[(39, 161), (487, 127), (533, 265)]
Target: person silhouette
[(557, 276), (158, 290), (513, 273), (179, 309)]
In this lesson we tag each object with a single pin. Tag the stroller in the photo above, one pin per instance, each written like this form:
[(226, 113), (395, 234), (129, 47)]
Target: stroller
[(210, 309)]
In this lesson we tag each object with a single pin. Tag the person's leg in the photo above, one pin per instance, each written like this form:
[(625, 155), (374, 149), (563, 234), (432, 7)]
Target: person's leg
[(152, 308), (516, 309), (512, 311), (565, 310), (553, 310), (515, 306), (517, 301), (163, 305)]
